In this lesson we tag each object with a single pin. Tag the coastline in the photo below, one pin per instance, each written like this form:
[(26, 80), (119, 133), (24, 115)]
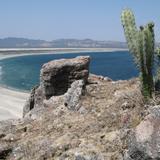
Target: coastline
[(13, 52), (12, 100)]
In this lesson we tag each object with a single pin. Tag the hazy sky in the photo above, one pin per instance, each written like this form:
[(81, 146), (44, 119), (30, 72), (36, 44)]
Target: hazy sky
[(54, 19)]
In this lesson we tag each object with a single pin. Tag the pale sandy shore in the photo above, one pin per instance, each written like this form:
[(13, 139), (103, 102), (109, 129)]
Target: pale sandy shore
[(13, 52), (12, 101)]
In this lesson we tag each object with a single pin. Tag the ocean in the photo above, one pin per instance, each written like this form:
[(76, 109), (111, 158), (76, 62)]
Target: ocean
[(22, 72)]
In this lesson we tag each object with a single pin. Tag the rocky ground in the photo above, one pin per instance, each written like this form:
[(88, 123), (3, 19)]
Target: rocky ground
[(76, 116)]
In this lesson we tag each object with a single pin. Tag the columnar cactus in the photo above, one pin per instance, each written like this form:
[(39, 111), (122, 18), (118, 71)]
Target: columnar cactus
[(141, 45), (157, 77)]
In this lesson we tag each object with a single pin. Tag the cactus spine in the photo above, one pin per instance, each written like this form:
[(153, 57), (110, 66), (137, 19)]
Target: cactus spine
[(141, 45)]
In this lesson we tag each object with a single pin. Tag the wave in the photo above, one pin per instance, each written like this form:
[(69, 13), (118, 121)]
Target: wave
[(1, 72)]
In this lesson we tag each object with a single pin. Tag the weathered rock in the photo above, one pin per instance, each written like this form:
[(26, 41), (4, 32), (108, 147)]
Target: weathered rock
[(99, 77), (57, 76), (73, 95), (30, 102), (144, 142), (35, 100)]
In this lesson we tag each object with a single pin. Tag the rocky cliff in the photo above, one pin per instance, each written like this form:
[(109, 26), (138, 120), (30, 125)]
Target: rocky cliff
[(74, 115)]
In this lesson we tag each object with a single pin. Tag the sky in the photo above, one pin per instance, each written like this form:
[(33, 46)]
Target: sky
[(80, 19)]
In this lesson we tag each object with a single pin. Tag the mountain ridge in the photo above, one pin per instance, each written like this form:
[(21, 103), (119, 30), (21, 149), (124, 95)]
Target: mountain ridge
[(14, 42)]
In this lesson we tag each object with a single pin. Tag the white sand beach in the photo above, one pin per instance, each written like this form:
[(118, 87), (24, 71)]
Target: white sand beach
[(12, 101), (13, 52)]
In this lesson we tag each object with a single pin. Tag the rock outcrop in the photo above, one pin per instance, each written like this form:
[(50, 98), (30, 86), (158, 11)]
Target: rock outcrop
[(82, 117), (56, 78)]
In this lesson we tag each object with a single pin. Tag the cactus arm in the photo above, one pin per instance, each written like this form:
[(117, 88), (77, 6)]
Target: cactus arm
[(140, 59), (130, 29), (149, 45)]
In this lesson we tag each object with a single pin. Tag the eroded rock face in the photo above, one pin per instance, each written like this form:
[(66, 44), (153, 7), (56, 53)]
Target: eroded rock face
[(31, 101), (35, 100), (57, 76), (144, 142)]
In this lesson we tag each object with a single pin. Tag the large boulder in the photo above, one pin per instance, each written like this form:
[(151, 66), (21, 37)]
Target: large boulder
[(56, 78), (58, 75)]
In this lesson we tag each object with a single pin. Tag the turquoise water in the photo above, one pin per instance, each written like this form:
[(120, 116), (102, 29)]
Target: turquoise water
[(23, 72)]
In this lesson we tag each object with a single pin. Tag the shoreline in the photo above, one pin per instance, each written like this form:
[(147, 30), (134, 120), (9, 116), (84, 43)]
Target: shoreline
[(9, 53), (12, 100)]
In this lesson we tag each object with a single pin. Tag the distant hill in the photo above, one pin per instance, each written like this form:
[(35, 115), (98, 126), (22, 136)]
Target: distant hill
[(13, 42)]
